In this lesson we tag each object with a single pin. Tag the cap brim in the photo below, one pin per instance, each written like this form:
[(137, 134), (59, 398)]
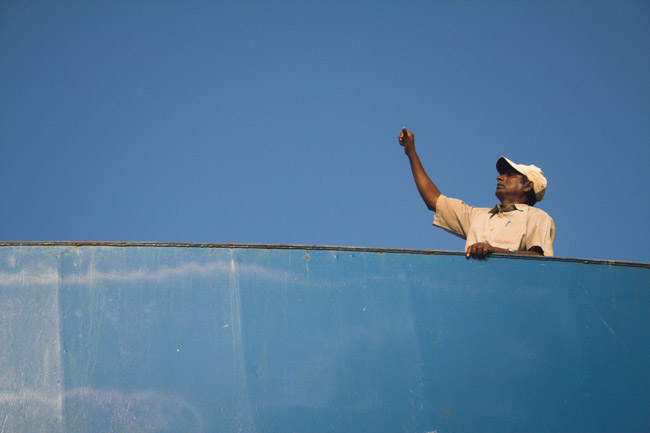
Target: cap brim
[(504, 164)]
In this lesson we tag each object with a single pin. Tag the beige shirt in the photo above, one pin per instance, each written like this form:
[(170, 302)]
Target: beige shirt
[(518, 227)]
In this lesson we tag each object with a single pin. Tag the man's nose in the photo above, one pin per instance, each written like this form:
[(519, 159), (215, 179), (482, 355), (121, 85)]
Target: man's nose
[(500, 178)]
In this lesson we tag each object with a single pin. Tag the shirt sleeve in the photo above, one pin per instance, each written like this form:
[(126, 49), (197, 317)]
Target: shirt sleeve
[(540, 232), (453, 215)]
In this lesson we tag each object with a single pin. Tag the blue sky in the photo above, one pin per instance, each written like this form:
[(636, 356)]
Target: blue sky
[(277, 121)]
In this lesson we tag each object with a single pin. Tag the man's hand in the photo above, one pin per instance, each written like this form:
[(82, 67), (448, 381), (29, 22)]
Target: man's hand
[(480, 250), (407, 140)]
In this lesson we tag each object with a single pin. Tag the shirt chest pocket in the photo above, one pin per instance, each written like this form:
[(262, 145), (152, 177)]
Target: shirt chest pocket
[(507, 230)]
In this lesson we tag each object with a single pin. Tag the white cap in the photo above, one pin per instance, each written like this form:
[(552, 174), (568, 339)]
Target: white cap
[(532, 172)]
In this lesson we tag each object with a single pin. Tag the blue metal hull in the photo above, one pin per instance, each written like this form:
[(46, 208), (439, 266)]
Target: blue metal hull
[(210, 338)]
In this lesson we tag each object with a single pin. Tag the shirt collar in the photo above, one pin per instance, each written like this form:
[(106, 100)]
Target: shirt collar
[(498, 208)]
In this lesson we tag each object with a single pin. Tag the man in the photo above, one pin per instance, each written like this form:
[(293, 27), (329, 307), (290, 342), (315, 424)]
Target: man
[(513, 227)]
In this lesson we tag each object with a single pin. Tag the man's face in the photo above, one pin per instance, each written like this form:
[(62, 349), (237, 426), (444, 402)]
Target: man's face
[(510, 187)]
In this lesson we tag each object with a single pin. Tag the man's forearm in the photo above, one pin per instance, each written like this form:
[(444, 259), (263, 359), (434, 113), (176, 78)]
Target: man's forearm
[(530, 252), (483, 249), (427, 189)]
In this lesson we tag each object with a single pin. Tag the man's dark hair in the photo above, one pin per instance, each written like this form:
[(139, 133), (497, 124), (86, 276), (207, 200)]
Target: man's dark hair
[(531, 198)]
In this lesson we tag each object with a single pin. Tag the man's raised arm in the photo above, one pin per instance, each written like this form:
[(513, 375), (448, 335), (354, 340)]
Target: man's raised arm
[(428, 190)]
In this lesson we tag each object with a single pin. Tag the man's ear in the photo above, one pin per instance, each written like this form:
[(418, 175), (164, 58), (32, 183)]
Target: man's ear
[(528, 186)]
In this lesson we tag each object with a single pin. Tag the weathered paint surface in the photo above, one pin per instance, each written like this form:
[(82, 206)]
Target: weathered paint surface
[(221, 339)]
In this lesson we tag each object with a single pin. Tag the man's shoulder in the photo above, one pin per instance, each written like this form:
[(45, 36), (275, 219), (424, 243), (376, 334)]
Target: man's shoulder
[(537, 212)]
